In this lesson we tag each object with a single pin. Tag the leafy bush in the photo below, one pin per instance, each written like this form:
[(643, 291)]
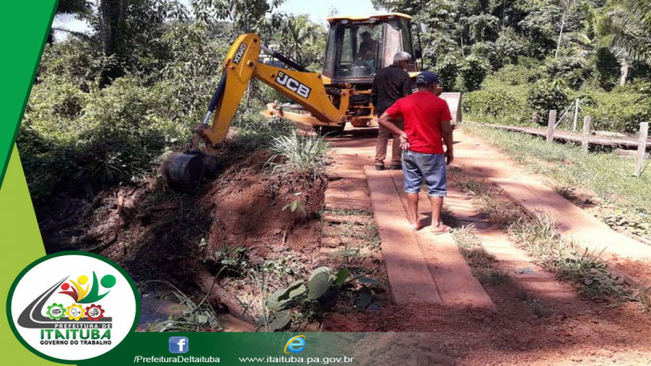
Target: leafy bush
[(312, 296), (448, 71), (78, 61), (488, 51), (573, 70), (254, 131), (510, 46), (70, 139), (607, 69), (502, 106), (132, 125), (77, 137), (617, 111), (473, 73), (546, 96), (503, 97), (525, 73)]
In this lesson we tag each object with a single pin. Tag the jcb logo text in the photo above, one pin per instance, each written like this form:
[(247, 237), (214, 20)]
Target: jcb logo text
[(293, 85)]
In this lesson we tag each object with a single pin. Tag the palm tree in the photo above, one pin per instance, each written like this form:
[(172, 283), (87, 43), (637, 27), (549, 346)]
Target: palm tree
[(78, 8), (73, 7), (300, 33), (643, 10), (624, 29)]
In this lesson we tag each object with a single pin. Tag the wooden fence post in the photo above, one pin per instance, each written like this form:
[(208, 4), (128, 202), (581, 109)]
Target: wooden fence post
[(587, 120), (550, 125), (641, 148), (576, 115)]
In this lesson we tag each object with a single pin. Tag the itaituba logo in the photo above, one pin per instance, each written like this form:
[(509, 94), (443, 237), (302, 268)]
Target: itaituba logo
[(81, 292), (91, 307)]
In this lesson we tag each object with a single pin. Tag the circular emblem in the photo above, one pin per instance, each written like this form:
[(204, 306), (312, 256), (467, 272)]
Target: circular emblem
[(72, 306)]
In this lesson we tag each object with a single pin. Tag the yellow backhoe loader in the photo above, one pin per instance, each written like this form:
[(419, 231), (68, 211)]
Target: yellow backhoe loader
[(356, 48)]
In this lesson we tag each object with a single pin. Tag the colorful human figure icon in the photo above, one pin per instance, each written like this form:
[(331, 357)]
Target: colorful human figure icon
[(84, 292), (81, 291), (70, 291)]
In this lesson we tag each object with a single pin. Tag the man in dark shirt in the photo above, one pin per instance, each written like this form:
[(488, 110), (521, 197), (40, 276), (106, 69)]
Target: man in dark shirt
[(389, 85), (368, 46)]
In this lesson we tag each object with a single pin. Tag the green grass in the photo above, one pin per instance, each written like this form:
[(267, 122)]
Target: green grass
[(539, 237), (497, 212), (537, 234), (608, 176), (482, 263)]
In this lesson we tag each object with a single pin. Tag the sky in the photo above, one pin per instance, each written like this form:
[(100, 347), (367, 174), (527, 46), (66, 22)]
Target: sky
[(317, 11)]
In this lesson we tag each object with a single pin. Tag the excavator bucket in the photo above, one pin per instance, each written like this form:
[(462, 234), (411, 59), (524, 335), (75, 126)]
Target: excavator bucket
[(184, 171)]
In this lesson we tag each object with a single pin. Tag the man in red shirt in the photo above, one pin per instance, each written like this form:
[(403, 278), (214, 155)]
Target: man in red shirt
[(426, 125)]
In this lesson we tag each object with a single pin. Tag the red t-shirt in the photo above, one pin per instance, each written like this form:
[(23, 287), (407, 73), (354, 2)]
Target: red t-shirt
[(422, 113)]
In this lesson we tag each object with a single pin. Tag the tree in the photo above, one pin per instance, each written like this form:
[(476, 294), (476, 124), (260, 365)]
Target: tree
[(565, 4), (73, 7), (127, 31), (410, 7), (298, 36), (246, 15), (643, 10), (624, 33), (481, 27), (70, 7)]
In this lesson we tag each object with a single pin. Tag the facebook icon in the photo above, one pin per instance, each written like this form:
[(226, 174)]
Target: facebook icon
[(179, 344)]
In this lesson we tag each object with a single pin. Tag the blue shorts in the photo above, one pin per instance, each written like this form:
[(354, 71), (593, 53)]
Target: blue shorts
[(431, 167)]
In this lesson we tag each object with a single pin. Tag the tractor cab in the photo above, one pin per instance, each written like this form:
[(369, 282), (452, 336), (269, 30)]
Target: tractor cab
[(360, 46)]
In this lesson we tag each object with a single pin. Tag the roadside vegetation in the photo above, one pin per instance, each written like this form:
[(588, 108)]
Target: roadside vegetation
[(538, 236), (482, 264), (625, 200), (108, 105), (516, 58)]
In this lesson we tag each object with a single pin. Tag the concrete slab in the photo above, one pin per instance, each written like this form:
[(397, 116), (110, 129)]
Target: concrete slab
[(409, 276)]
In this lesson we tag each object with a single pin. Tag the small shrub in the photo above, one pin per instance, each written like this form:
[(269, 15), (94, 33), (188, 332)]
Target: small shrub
[(503, 97), (546, 96), (302, 154), (510, 45), (512, 75), (488, 51), (497, 106), (493, 277), (473, 73), (255, 131), (573, 70), (620, 111), (607, 69), (448, 71)]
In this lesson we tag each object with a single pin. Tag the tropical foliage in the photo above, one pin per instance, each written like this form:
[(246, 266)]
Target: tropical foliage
[(108, 103), (530, 56)]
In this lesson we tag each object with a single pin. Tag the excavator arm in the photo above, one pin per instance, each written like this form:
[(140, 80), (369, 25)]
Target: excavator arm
[(185, 170), (241, 64)]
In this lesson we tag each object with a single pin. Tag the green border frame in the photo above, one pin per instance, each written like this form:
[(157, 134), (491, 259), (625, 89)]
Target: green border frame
[(24, 31), (10, 318)]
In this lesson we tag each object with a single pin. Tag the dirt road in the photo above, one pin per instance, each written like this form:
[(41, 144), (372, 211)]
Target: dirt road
[(536, 320)]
